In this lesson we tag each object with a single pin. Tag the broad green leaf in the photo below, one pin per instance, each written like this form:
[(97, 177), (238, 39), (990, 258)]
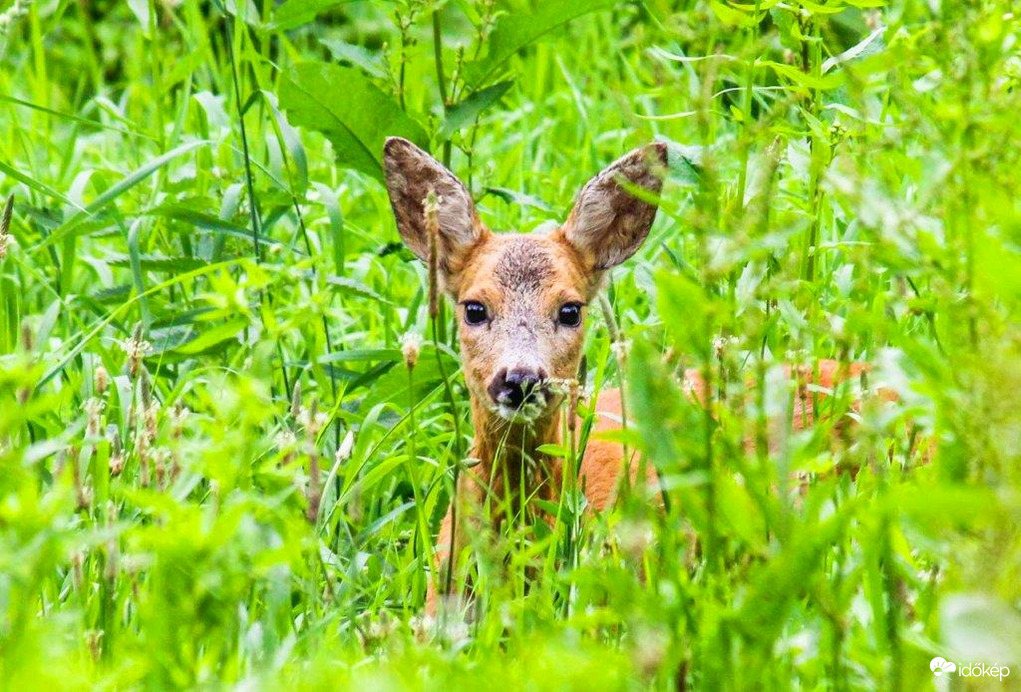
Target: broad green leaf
[(360, 56), (810, 81), (732, 17), (469, 109), (351, 111), (212, 336), (297, 12), (685, 308), (516, 31)]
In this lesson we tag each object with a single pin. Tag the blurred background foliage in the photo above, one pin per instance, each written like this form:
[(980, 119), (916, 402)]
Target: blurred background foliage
[(217, 470)]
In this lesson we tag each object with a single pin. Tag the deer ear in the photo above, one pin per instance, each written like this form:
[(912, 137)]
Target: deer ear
[(608, 224), (410, 175)]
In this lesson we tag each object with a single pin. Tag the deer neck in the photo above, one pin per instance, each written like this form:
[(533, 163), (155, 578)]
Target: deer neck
[(509, 458)]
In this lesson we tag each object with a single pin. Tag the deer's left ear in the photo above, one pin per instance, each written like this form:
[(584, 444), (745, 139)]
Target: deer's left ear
[(608, 224)]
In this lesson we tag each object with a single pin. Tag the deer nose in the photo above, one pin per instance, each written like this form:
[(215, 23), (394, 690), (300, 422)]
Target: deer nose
[(515, 387)]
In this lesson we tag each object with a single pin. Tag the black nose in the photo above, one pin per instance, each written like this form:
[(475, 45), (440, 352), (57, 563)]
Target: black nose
[(516, 387)]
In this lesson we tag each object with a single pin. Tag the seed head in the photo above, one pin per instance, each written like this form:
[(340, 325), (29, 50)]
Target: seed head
[(102, 380), (93, 412), (431, 206), (312, 420), (346, 447), (136, 349), (411, 345)]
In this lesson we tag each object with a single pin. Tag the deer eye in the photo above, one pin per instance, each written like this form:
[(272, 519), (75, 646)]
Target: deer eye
[(475, 312), (569, 315)]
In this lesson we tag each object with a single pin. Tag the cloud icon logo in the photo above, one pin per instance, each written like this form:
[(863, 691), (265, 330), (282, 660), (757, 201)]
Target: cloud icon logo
[(940, 665)]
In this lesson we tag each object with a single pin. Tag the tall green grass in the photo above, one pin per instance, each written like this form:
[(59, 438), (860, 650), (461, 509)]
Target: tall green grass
[(216, 468)]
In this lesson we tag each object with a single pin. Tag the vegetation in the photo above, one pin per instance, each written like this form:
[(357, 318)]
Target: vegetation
[(217, 469)]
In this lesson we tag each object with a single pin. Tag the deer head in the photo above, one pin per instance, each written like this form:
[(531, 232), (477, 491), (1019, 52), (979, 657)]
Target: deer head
[(522, 298)]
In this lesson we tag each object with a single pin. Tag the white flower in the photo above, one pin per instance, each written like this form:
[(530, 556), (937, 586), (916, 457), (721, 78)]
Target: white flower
[(411, 345), (312, 421), (346, 447)]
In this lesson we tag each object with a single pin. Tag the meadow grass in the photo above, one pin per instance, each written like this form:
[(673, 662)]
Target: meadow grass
[(218, 469)]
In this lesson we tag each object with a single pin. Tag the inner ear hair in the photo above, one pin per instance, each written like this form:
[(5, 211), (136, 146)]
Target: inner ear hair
[(608, 223)]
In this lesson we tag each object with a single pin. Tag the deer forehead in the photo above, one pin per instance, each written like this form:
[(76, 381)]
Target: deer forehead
[(524, 271)]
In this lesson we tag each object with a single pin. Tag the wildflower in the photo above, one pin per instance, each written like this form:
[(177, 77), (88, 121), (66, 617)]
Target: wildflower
[(346, 447), (315, 490), (93, 412), (422, 628), (312, 420), (77, 574), (650, 650), (151, 417), (16, 11), (431, 206), (178, 415), (285, 439), (136, 349), (620, 349), (411, 345), (635, 537), (102, 380), (94, 640)]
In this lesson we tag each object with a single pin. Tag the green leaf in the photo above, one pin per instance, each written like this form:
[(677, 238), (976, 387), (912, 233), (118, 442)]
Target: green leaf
[(515, 31), (159, 263), (732, 17), (359, 56), (352, 112), (297, 12), (804, 79), (777, 584), (39, 187), (212, 336), (470, 108), (117, 189), (685, 309)]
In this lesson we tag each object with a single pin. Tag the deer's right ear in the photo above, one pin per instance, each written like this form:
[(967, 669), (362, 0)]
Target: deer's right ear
[(410, 175)]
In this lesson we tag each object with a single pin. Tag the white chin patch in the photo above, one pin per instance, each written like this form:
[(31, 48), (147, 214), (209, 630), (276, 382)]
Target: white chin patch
[(526, 413)]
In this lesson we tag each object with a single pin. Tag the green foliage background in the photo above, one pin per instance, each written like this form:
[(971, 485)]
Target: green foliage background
[(216, 470)]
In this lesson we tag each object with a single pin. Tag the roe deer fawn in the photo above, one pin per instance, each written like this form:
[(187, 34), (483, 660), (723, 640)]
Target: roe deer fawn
[(521, 302)]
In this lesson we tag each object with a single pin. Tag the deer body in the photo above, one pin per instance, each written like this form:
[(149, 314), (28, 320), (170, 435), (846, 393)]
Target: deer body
[(521, 301)]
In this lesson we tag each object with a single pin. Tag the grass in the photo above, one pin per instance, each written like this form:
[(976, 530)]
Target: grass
[(217, 470)]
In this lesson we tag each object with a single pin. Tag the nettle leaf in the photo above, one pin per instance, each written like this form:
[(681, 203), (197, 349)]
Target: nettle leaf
[(516, 31), (352, 112), (470, 108), (159, 263)]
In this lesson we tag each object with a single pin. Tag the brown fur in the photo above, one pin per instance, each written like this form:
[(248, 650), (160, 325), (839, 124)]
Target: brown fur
[(523, 280)]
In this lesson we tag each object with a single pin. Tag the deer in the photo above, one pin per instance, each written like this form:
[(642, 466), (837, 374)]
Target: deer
[(521, 301)]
